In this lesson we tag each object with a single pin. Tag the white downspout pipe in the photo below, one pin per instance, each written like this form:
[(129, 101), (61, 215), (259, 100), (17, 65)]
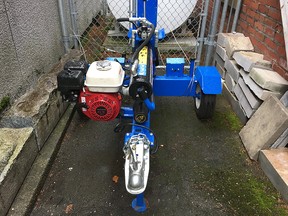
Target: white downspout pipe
[(63, 23)]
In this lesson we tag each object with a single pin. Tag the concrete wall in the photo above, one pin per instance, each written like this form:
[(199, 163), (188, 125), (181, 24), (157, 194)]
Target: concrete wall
[(31, 40), (261, 21)]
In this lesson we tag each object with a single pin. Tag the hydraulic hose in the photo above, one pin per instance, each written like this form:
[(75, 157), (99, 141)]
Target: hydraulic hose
[(145, 42), (135, 54), (123, 20), (126, 20)]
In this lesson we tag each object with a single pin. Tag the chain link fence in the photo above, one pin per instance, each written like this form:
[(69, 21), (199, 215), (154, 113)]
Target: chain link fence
[(105, 37)]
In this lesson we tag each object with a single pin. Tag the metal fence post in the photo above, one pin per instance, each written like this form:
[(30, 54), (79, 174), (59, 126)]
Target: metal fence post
[(236, 15), (63, 23), (223, 17), (73, 15), (105, 7), (230, 15), (212, 32), (202, 33)]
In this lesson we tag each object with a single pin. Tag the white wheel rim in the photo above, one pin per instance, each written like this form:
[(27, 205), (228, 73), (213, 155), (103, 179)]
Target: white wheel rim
[(198, 97)]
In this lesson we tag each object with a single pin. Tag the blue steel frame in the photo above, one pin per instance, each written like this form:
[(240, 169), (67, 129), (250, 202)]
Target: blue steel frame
[(207, 77), (139, 203), (174, 83), (178, 84)]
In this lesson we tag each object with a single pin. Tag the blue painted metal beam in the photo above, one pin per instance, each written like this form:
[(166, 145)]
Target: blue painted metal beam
[(151, 10), (173, 86)]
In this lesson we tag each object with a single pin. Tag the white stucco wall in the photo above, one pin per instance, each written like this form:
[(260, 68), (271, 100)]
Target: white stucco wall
[(31, 40)]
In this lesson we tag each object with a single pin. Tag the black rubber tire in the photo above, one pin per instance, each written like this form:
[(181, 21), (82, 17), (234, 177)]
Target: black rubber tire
[(204, 104)]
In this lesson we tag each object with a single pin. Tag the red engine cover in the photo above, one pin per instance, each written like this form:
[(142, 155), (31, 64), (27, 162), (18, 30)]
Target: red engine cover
[(101, 106)]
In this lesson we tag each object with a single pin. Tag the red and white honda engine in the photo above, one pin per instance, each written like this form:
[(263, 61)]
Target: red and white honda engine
[(100, 106), (98, 96)]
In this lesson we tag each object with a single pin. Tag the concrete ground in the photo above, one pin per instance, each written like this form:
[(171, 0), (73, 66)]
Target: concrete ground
[(201, 168)]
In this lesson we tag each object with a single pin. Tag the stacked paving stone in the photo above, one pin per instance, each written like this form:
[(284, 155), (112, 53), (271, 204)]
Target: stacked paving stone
[(249, 79), (266, 128), (265, 137), (253, 90)]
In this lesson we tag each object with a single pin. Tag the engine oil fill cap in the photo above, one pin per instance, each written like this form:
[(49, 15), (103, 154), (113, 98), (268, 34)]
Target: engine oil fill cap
[(103, 65)]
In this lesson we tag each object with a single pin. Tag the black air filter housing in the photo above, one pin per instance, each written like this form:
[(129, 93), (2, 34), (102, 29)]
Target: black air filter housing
[(71, 80), (76, 65)]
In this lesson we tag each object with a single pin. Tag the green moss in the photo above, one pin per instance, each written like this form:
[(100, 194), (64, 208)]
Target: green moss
[(4, 103), (245, 194), (234, 121), (226, 119)]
